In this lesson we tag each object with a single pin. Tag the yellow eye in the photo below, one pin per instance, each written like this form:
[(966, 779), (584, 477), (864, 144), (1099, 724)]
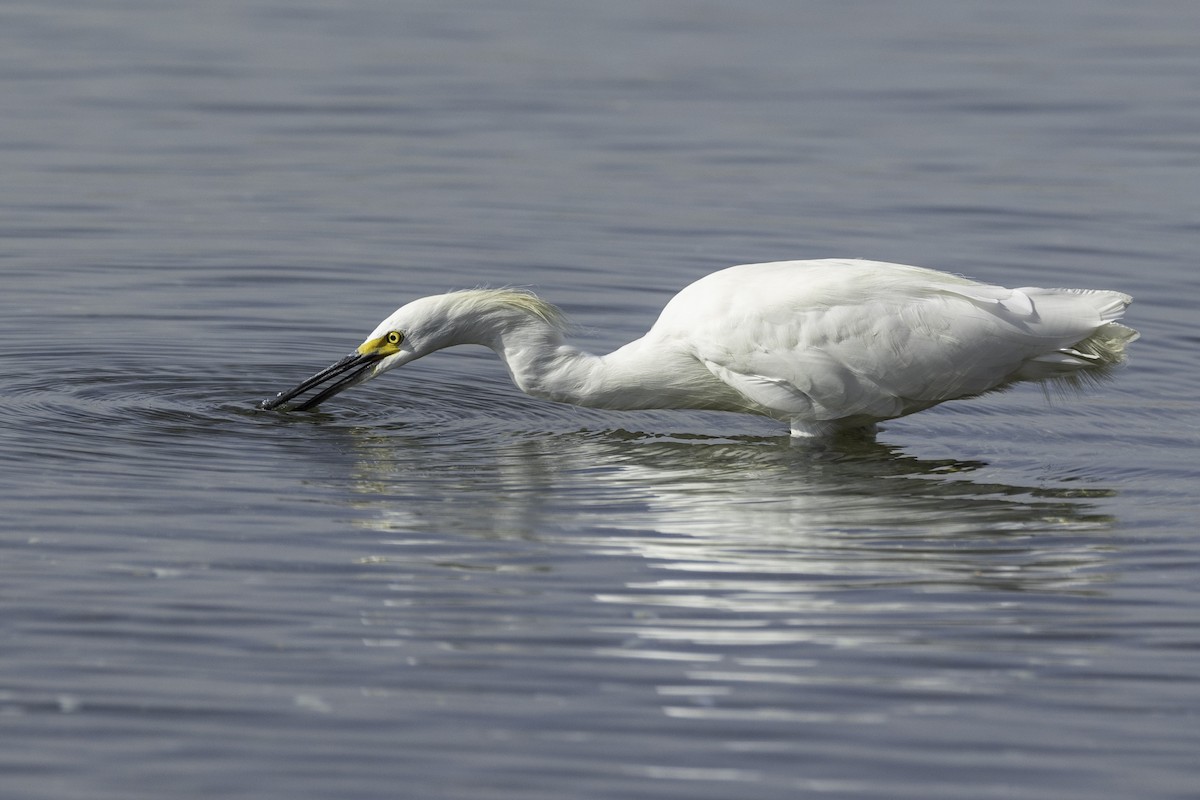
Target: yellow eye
[(395, 337)]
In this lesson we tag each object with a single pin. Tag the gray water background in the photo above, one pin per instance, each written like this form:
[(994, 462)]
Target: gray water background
[(440, 588)]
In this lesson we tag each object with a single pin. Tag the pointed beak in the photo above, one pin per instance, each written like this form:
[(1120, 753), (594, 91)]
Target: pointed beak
[(352, 369)]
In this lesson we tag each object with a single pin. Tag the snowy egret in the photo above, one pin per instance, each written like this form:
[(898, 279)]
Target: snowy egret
[(826, 345)]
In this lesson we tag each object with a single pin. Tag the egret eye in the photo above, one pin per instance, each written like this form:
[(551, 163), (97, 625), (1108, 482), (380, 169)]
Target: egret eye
[(395, 337)]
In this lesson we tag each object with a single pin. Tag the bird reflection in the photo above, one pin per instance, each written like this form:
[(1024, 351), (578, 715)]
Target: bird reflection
[(749, 515)]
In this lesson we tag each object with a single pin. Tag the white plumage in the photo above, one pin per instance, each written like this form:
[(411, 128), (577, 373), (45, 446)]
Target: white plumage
[(825, 345)]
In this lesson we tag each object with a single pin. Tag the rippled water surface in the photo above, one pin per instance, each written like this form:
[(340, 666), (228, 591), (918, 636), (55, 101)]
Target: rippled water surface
[(439, 588)]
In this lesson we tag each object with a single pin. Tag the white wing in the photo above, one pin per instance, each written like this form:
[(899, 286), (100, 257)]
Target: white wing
[(859, 341)]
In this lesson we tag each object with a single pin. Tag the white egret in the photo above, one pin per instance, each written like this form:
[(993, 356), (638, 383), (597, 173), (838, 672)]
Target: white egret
[(826, 345)]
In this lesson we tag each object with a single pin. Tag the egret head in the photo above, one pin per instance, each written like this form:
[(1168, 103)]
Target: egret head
[(474, 316)]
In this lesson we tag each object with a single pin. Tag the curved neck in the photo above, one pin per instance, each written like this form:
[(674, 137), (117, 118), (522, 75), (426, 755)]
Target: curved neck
[(539, 361), (644, 374)]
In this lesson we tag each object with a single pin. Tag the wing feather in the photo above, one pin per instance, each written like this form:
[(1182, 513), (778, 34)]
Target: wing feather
[(856, 340)]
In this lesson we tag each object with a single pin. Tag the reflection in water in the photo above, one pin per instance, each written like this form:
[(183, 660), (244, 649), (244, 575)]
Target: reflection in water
[(774, 586), (744, 524)]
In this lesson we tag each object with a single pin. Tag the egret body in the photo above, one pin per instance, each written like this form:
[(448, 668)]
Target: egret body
[(826, 345)]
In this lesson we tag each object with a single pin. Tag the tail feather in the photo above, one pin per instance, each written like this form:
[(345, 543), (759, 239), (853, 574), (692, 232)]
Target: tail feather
[(1092, 358), (1108, 304), (1106, 347), (1086, 362)]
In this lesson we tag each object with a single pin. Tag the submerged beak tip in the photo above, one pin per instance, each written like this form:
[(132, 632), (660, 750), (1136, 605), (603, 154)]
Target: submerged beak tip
[(271, 403)]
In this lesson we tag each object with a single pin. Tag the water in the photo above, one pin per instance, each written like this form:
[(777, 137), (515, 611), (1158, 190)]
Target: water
[(439, 588)]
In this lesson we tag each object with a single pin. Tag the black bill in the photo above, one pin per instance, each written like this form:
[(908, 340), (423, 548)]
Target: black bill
[(342, 375)]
